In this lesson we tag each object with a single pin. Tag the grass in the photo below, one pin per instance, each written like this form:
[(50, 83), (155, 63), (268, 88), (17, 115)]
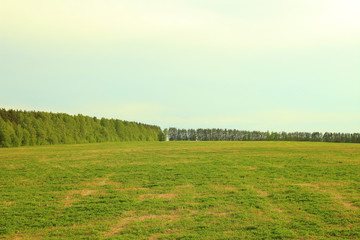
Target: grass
[(181, 190)]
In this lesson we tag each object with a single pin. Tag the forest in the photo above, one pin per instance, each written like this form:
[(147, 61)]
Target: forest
[(216, 134), (29, 128)]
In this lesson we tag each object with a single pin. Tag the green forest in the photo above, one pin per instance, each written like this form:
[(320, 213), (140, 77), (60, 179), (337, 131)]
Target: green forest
[(29, 128), (216, 134)]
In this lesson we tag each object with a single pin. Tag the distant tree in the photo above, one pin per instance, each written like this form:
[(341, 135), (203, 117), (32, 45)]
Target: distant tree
[(191, 135), (165, 133), (316, 137), (5, 132)]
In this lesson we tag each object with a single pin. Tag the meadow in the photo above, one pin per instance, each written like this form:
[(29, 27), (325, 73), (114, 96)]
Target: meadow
[(181, 190)]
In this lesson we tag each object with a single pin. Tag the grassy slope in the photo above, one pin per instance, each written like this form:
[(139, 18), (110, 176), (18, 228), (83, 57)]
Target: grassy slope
[(189, 190)]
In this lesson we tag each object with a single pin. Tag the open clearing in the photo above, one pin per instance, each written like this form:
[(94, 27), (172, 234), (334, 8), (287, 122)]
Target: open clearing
[(181, 190)]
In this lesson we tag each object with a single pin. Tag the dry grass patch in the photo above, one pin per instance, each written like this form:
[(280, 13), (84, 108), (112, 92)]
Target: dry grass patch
[(158, 196), (60, 167), (131, 189), (126, 221), (262, 193), (329, 164), (184, 186), (224, 188), (340, 184), (260, 214), (258, 191), (137, 163), (11, 167), (83, 157), (333, 193), (23, 236), (166, 234), (175, 162), (99, 182), (71, 196), (192, 203), (276, 166), (311, 185), (102, 182), (277, 209), (320, 185), (250, 167), (298, 212), (218, 213), (187, 190), (9, 203), (348, 205)]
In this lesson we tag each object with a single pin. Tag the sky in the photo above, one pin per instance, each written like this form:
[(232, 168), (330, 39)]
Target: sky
[(274, 65)]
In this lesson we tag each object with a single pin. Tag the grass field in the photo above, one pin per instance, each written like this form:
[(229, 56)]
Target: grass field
[(181, 190)]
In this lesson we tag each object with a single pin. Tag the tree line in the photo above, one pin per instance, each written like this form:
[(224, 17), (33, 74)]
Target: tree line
[(23, 128), (216, 134)]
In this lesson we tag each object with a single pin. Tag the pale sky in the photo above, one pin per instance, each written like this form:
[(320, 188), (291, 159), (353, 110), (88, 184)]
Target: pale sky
[(250, 65)]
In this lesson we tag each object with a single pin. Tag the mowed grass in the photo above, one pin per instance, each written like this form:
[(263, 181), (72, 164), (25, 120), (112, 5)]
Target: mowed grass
[(181, 190)]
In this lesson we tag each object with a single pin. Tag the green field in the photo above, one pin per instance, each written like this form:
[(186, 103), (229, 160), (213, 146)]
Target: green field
[(181, 190)]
